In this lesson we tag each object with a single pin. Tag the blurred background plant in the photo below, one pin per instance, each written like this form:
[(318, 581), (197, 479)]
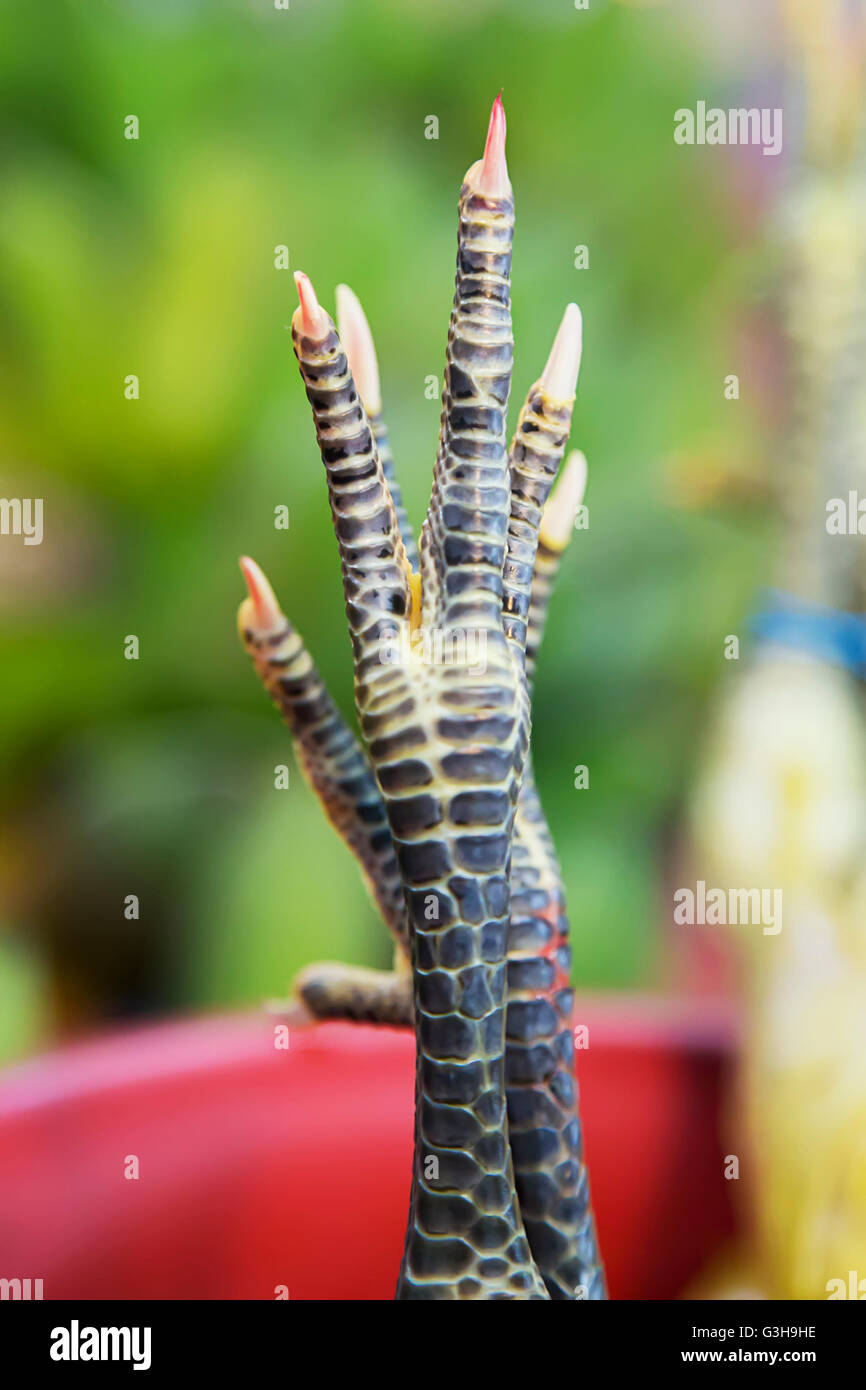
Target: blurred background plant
[(156, 256)]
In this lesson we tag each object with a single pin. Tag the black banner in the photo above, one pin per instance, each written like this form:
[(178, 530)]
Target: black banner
[(153, 1338)]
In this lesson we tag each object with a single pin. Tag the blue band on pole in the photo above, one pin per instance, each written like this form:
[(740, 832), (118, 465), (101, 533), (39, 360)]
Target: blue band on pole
[(826, 633)]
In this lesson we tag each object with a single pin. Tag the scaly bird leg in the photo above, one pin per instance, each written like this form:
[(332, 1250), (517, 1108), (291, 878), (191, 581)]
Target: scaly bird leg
[(339, 773), (325, 745), (536, 453), (555, 532), (357, 340), (336, 767), (482, 719), (332, 990), (448, 744), (544, 1123), (464, 530), (539, 441), (343, 779), (546, 1133)]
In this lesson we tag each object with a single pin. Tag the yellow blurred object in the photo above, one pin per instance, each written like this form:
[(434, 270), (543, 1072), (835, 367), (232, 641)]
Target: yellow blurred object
[(784, 804)]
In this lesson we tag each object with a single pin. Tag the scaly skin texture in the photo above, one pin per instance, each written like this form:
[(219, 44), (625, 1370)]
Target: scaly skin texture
[(465, 1237), (448, 742), (541, 1088), (547, 561), (333, 762), (331, 990), (386, 457), (544, 1121), (337, 768)]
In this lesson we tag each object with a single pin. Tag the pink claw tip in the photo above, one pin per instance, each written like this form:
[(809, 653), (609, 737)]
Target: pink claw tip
[(266, 610), (493, 176), (314, 320)]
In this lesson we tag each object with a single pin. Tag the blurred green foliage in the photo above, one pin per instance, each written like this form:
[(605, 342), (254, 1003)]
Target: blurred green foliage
[(156, 257)]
